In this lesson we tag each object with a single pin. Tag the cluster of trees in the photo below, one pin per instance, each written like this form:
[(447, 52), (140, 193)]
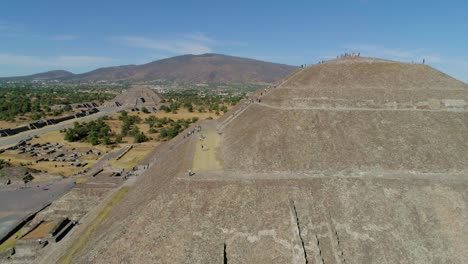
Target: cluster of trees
[(167, 127), (216, 108), (172, 107), (129, 127), (19, 100), (12, 105), (94, 132), (192, 100), (97, 132)]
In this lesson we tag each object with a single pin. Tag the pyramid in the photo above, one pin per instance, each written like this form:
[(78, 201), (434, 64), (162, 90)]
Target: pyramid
[(357, 160), (137, 97), (355, 114)]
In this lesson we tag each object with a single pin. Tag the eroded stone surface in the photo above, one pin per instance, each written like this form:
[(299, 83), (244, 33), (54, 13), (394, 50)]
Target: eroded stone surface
[(302, 185)]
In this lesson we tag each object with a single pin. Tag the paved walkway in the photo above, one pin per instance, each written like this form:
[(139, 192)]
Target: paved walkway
[(205, 157), (16, 204)]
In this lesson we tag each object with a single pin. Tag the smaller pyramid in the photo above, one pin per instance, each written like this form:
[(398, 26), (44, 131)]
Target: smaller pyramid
[(137, 97)]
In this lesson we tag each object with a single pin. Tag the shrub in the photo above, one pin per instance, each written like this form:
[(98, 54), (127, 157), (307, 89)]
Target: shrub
[(107, 140), (4, 163), (140, 137), (163, 133), (93, 138), (91, 131)]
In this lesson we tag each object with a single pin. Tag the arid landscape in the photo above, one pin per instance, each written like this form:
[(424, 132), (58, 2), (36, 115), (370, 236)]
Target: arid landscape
[(233, 132), (70, 175)]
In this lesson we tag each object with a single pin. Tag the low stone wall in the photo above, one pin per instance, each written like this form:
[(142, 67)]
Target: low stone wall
[(123, 153), (39, 124)]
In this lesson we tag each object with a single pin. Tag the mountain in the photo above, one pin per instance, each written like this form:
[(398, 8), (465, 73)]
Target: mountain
[(206, 68), (211, 68), (50, 75)]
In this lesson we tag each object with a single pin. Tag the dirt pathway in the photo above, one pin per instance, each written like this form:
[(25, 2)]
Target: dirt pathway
[(205, 151)]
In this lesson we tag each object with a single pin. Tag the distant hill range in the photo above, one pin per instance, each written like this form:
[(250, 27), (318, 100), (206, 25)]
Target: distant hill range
[(50, 75), (205, 68)]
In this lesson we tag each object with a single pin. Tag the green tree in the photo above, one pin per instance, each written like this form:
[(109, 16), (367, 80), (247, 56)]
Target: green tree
[(36, 115), (135, 130), (123, 114), (107, 140), (173, 132), (27, 178), (145, 110), (140, 137), (67, 108), (163, 133), (224, 108), (166, 109), (93, 138)]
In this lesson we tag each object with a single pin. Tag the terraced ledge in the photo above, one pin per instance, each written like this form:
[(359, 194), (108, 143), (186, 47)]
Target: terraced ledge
[(83, 239)]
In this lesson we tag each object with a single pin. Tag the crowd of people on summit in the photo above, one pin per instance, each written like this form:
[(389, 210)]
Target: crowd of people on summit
[(349, 55)]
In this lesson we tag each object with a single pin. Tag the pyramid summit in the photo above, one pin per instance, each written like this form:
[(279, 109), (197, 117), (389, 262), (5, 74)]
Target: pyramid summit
[(323, 115), (360, 80)]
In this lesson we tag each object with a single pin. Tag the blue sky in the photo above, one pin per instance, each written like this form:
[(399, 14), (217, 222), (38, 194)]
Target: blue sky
[(79, 36)]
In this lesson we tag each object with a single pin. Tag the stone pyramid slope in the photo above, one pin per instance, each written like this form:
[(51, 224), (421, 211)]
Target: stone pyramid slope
[(338, 116), (361, 72), (137, 96), (302, 184), (357, 82)]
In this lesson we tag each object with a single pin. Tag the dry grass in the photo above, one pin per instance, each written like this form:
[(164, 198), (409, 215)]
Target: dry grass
[(66, 170), (91, 228), (8, 124), (134, 156), (181, 113), (56, 136), (41, 231), (11, 241), (81, 180), (59, 168), (116, 125)]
